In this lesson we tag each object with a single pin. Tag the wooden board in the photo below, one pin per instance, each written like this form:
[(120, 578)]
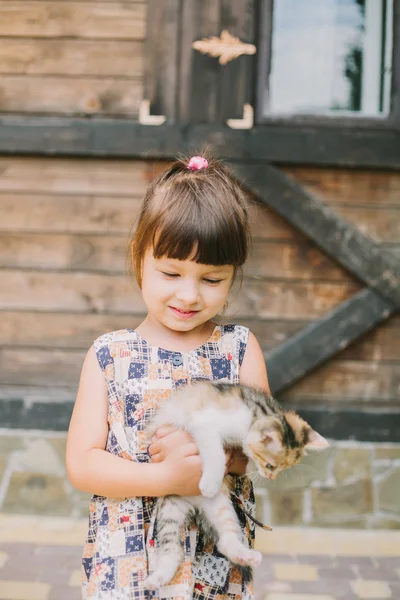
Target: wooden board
[(55, 95), (67, 213), (106, 58), (123, 20), (74, 176), (89, 292), (279, 260), (341, 381), (338, 381), (69, 330), (351, 187)]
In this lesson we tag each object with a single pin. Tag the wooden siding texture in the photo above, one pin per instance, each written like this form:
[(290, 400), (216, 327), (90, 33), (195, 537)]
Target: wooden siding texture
[(63, 236), (72, 58)]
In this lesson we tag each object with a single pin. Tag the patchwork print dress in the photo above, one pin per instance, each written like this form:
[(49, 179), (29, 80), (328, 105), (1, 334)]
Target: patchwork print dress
[(122, 537)]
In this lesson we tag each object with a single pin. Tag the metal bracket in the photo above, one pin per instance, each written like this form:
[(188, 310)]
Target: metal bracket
[(246, 122)]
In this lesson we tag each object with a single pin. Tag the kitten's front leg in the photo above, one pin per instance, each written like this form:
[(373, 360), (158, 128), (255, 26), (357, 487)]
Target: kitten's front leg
[(212, 454), (222, 516)]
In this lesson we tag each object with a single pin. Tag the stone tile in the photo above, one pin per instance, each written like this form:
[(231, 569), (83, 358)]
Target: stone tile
[(351, 462), (36, 530), (377, 573), (289, 596), (286, 507), (75, 578), (295, 572), (3, 559), (313, 467), (374, 590), (336, 573), (3, 464), (340, 588), (389, 492), (378, 522), (64, 592), (39, 456), (22, 590), (382, 453), (36, 494), (343, 500), (10, 443)]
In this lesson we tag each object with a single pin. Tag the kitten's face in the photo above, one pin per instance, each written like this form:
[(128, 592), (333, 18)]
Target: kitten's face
[(276, 445)]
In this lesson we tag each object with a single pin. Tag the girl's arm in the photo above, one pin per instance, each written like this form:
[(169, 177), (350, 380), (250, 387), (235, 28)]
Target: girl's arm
[(92, 469), (253, 372)]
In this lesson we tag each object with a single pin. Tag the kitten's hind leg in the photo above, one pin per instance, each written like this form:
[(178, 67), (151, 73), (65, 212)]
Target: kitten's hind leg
[(172, 514), (222, 516)]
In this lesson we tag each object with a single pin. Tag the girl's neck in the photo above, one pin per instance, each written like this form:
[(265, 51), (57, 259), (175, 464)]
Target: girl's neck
[(157, 334)]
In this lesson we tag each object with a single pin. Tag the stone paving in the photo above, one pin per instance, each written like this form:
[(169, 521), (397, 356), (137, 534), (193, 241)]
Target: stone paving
[(40, 560)]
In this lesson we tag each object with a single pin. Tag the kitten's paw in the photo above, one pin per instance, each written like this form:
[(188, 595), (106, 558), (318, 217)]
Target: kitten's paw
[(209, 487), (244, 556), (155, 581)]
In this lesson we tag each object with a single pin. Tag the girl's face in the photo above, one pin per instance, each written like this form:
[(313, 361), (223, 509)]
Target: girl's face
[(182, 294)]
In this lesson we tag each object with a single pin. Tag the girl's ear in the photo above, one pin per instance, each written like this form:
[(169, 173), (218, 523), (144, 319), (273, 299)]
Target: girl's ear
[(315, 441)]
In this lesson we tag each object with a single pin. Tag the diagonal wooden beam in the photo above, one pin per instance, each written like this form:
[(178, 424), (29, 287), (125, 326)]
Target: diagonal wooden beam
[(338, 238), (344, 243), (319, 341)]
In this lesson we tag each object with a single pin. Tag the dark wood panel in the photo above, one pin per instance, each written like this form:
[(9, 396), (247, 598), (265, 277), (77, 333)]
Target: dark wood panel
[(318, 342), (60, 95), (351, 187), (73, 19), (67, 213), (55, 368), (71, 57), (334, 422), (354, 251), (108, 254), (66, 330), (89, 292), (345, 381), (281, 143), (75, 176), (162, 57), (59, 330)]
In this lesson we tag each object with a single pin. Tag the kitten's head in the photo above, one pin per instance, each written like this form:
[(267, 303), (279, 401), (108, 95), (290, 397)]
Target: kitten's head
[(278, 442)]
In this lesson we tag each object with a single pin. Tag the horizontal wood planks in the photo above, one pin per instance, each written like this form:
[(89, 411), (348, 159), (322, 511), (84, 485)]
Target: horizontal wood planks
[(72, 58), (63, 235)]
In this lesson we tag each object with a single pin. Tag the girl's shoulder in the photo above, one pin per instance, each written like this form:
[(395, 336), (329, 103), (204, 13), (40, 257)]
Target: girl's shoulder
[(239, 331), (112, 337)]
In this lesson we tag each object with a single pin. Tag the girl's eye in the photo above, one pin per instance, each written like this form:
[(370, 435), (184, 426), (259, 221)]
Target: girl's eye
[(213, 281), (170, 274), (269, 467)]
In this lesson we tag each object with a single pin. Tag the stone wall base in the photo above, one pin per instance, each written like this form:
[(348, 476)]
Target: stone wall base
[(352, 484)]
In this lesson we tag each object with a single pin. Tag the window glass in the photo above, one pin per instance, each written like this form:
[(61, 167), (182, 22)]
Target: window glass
[(330, 57)]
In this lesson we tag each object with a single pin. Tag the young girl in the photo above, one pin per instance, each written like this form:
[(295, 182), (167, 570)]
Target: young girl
[(190, 242)]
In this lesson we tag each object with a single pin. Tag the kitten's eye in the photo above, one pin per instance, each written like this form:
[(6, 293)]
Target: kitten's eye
[(269, 467)]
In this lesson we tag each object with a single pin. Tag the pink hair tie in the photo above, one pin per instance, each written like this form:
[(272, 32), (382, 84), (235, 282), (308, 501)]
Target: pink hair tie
[(196, 163)]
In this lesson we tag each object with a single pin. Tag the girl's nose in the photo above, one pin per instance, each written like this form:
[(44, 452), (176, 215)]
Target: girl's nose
[(188, 292)]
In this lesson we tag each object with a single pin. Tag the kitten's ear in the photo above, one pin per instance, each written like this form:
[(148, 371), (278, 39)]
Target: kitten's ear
[(315, 441), (272, 439)]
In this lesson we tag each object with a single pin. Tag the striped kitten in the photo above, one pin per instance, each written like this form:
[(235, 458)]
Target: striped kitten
[(218, 415)]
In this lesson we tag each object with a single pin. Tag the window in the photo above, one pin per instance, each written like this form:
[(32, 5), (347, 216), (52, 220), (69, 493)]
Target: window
[(329, 57)]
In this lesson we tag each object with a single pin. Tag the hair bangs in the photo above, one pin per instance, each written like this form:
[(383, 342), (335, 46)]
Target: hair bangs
[(190, 233)]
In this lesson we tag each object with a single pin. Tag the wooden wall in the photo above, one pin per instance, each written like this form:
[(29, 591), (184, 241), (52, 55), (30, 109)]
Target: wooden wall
[(63, 231), (77, 58)]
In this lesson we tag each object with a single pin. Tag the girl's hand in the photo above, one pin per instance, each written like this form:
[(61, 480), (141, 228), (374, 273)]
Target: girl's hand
[(237, 461), (177, 452)]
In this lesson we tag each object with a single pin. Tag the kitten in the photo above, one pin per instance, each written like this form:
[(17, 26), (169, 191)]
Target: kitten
[(218, 415)]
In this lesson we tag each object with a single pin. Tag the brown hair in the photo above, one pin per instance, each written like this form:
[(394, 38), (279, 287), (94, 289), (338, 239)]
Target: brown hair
[(200, 215)]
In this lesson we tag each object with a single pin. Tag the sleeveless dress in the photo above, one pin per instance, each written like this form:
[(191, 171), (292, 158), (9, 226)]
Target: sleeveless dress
[(122, 537)]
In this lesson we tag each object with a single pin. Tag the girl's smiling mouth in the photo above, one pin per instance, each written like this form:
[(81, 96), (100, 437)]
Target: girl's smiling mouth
[(183, 314)]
